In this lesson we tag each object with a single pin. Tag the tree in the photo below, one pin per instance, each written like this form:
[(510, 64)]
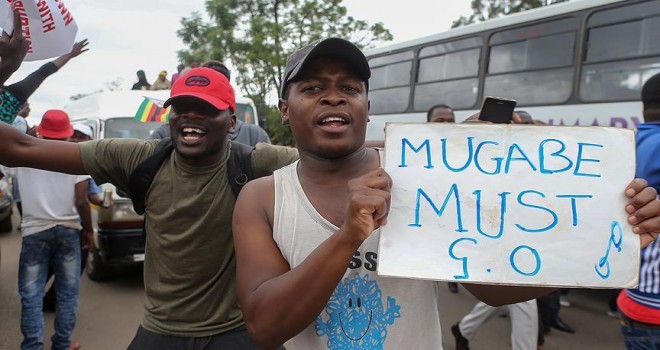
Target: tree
[(256, 36), (485, 10)]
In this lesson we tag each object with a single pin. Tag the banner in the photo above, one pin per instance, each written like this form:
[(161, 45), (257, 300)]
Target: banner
[(48, 26), (510, 204)]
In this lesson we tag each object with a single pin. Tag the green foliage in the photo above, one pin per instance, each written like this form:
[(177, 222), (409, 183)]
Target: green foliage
[(488, 9), (256, 36), (279, 134)]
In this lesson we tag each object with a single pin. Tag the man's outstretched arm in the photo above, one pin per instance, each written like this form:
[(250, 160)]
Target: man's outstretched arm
[(23, 89), (78, 48), (21, 150)]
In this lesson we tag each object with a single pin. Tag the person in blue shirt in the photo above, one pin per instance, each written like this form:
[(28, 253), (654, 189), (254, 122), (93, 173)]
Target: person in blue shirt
[(639, 308)]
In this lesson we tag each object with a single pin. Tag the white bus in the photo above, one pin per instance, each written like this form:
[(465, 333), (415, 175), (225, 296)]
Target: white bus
[(581, 62)]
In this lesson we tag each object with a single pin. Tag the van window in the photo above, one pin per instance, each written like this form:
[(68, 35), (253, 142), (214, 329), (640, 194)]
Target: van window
[(129, 128), (245, 113)]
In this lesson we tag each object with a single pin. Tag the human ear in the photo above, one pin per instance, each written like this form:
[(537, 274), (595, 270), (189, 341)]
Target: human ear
[(284, 111), (232, 123)]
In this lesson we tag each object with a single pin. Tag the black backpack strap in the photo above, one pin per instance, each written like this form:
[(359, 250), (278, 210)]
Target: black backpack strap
[(239, 166), (143, 175)]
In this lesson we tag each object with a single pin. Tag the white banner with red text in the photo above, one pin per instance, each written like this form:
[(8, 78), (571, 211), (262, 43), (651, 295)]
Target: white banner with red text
[(47, 25)]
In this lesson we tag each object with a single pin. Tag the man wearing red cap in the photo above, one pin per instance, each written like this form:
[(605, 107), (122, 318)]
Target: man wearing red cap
[(51, 228), (189, 266)]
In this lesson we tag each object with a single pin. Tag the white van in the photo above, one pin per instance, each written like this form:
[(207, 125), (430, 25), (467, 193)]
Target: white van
[(118, 230)]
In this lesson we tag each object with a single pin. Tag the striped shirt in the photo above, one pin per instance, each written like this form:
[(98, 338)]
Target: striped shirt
[(648, 291)]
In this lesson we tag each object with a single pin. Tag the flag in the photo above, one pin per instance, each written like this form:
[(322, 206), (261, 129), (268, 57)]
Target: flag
[(151, 110)]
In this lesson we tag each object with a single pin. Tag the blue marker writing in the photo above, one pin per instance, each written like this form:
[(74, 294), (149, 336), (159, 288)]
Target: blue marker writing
[(502, 211), (467, 162), (463, 259), (405, 142), (537, 258), (616, 239), (454, 191)]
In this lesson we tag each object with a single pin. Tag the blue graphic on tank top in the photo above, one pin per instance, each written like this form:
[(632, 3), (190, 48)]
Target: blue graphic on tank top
[(356, 316)]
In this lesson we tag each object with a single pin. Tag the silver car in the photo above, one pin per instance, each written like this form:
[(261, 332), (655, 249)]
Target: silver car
[(6, 204)]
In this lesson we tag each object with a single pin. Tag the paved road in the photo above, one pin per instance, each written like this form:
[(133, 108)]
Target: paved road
[(110, 312)]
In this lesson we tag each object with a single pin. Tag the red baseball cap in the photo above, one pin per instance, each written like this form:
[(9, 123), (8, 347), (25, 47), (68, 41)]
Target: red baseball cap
[(206, 84), (55, 124)]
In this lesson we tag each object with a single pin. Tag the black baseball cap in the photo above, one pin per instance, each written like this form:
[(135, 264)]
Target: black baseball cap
[(326, 47)]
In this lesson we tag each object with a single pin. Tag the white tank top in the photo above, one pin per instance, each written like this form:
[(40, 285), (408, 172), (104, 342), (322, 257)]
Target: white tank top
[(366, 311)]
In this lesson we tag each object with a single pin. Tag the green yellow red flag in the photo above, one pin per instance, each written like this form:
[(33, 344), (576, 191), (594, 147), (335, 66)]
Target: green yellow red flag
[(152, 110)]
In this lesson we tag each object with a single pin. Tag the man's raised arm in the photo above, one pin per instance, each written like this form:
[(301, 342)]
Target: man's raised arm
[(21, 150), (12, 50)]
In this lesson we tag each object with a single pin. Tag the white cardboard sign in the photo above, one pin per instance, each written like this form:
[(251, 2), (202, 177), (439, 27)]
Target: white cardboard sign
[(48, 26), (510, 204)]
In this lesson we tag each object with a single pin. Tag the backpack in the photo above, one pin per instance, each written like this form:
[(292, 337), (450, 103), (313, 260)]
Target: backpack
[(239, 170)]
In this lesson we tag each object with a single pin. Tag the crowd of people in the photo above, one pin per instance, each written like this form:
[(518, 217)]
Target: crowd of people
[(162, 82), (272, 266)]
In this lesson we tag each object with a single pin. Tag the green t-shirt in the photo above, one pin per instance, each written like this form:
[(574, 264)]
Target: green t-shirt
[(190, 264)]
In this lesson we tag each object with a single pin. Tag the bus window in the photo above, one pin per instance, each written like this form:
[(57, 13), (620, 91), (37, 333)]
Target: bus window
[(442, 74), (539, 53), (533, 64), (389, 85), (533, 87), (616, 81), (618, 60), (456, 93)]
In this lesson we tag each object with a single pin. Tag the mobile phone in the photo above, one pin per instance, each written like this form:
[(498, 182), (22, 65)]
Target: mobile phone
[(497, 110)]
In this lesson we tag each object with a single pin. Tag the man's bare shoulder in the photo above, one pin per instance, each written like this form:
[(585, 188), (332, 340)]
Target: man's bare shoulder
[(258, 194), (255, 203)]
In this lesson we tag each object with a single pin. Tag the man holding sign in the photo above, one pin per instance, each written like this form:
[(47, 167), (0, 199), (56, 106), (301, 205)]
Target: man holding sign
[(306, 265)]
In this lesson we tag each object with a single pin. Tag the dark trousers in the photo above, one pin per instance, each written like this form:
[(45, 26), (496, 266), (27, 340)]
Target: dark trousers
[(237, 339), (548, 306)]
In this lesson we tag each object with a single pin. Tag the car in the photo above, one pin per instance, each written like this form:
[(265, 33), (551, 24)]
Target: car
[(6, 205), (118, 239)]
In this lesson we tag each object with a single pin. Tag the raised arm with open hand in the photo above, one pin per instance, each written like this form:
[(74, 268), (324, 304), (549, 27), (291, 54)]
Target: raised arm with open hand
[(13, 49), (78, 48)]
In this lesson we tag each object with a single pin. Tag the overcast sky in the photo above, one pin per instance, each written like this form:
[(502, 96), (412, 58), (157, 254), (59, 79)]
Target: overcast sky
[(127, 35)]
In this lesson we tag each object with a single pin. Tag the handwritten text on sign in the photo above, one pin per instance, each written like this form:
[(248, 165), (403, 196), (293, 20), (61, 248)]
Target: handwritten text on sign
[(514, 204)]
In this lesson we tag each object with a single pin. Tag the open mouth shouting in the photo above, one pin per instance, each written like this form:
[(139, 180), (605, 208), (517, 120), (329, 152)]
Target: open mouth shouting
[(333, 123), (192, 134)]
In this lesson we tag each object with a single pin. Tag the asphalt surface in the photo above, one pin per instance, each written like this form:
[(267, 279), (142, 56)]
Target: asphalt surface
[(110, 312)]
